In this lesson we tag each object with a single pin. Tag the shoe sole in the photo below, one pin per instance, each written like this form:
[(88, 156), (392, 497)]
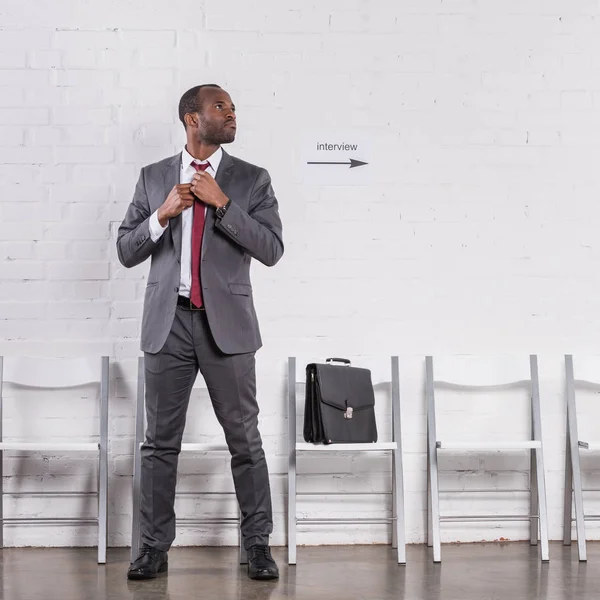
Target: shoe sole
[(142, 576), (263, 577)]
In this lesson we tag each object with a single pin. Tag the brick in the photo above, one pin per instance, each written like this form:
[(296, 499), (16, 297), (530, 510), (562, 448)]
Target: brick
[(51, 250), (53, 173), (11, 97), (80, 59), (22, 270), (16, 212), (78, 271), (84, 154), (16, 250), (80, 193), (25, 155), (23, 77), (84, 40), (22, 192), (30, 230), (89, 250), (82, 231), (146, 78), (44, 96), (85, 78), (81, 116), (19, 116), (156, 58), (148, 39), (44, 136), (44, 59), (79, 310), (12, 136)]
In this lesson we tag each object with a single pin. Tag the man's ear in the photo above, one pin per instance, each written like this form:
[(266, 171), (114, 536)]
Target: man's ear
[(191, 119)]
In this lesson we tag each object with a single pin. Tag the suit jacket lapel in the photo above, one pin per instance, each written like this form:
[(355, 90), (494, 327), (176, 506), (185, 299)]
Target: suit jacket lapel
[(172, 176), (223, 178)]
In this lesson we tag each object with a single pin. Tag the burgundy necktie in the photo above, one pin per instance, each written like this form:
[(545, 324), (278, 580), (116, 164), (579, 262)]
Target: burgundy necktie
[(197, 230)]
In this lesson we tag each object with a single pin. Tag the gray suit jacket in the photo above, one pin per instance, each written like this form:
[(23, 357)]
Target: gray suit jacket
[(251, 228)]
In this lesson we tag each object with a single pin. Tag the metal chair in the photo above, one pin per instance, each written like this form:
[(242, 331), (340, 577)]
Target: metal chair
[(140, 418), (59, 374), (394, 446), (588, 371), (469, 372)]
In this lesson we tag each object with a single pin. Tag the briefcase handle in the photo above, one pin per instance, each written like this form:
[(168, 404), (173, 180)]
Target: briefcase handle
[(345, 361)]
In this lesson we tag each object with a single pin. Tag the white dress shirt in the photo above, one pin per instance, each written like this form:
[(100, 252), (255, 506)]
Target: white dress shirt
[(187, 216)]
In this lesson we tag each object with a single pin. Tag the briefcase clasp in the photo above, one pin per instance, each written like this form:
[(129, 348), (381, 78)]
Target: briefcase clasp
[(348, 413)]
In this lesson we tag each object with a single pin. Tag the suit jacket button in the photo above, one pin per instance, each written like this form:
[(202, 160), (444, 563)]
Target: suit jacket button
[(176, 289)]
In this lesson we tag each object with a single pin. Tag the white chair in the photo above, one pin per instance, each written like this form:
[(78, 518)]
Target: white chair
[(464, 372), (296, 376), (59, 374), (140, 418), (588, 372)]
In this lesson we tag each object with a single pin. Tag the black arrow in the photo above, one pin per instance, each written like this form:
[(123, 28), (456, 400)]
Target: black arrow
[(353, 163)]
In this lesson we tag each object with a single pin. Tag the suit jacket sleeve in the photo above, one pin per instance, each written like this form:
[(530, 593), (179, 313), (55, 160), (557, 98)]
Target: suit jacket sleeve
[(134, 244), (259, 230)]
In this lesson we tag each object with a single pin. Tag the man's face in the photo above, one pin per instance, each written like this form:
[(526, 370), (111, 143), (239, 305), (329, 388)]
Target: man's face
[(216, 118)]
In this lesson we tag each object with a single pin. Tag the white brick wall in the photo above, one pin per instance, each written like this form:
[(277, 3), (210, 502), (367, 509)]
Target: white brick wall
[(478, 234)]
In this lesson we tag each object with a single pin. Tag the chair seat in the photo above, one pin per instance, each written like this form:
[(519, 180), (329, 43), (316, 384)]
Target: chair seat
[(490, 445), (589, 445), (373, 447), (192, 447), (51, 446)]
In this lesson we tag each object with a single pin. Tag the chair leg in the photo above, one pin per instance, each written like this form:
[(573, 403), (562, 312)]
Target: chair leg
[(435, 506), (398, 531), (573, 465), (568, 503), (398, 535), (542, 504), (243, 553), (103, 464), (102, 506), (1, 496), (291, 496), (429, 516), (578, 494), (137, 492), (394, 509), (533, 499), (292, 508)]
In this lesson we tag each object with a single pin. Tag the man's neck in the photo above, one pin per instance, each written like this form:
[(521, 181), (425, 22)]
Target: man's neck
[(201, 151)]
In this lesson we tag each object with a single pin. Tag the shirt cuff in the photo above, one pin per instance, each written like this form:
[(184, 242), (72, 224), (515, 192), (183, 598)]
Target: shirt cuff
[(156, 229)]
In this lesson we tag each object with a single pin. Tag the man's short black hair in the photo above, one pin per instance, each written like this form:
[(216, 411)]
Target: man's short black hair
[(191, 101)]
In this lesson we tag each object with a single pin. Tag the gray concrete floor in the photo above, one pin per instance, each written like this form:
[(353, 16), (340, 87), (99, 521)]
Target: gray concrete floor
[(510, 571)]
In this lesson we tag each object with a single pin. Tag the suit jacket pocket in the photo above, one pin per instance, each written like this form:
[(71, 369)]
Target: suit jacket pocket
[(240, 289)]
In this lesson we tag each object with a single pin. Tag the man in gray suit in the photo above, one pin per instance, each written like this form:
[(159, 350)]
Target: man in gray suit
[(201, 216)]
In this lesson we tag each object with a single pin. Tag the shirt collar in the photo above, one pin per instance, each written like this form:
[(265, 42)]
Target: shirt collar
[(214, 159)]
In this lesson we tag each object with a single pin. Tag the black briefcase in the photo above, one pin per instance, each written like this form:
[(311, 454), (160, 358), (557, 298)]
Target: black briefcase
[(340, 404)]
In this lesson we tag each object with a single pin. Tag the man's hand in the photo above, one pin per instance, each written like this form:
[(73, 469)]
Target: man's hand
[(205, 188), (179, 198)]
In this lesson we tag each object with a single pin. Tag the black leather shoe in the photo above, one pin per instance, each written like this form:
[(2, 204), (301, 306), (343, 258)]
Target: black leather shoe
[(261, 564), (149, 564)]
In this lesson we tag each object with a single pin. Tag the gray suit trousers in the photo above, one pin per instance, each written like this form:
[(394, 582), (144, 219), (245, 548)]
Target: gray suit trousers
[(231, 382)]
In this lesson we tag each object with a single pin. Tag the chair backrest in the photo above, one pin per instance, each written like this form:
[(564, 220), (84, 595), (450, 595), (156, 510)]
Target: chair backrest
[(475, 372), (51, 372), (384, 371), (583, 373), (481, 371), (584, 368), (379, 367), (59, 373)]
